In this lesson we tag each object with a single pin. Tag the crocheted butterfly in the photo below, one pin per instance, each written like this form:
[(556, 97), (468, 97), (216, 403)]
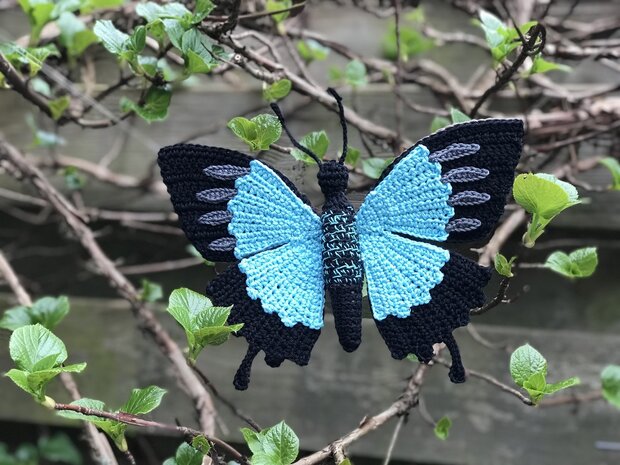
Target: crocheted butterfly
[(450, 186)]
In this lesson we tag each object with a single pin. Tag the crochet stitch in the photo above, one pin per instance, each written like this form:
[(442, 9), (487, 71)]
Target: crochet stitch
[(342, 262), (412, 201), (450, 186)]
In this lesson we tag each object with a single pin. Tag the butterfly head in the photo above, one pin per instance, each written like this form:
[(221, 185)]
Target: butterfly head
[(333, 177)]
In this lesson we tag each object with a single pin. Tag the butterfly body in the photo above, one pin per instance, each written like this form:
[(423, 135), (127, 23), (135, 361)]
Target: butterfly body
[(450, 186), (342, 261)]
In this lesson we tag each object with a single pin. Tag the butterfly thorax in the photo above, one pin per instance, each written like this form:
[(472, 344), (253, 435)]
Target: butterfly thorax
[(342, 264)]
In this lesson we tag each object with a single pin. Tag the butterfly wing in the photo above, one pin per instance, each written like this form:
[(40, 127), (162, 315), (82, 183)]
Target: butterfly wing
[(233, 208), (451, 185), (477, 160)]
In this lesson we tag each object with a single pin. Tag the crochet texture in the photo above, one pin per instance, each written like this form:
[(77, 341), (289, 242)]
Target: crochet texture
[(450, 186)]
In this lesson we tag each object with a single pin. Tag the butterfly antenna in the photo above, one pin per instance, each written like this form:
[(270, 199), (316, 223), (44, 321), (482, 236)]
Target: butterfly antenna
[(343, 122), (310, 153)]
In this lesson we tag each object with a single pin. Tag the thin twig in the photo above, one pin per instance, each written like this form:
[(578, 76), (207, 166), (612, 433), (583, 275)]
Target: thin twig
[(135, 420), (405, 402)]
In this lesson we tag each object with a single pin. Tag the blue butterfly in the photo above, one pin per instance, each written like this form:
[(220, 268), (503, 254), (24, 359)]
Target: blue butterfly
[(450, 186)]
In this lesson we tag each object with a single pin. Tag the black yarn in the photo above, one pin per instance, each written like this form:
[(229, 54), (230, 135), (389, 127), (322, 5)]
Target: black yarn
[(342, 263), (263, 331), (431, 323), (307, 151), (343, 123)]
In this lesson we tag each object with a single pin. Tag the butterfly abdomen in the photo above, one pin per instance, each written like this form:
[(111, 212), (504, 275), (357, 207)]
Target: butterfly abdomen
[(342, 269)]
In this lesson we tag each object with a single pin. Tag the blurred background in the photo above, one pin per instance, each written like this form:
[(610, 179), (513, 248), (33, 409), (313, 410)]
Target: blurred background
[(110, 175)]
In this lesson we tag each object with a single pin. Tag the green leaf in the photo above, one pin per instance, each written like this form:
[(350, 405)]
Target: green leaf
[(355, 74), (259, 132), (33, 57), (614, 168), (48, 311), (311, 50), (20, 378), (202, 444), (535, 386), (412, 43), (175, 31), (528, 369), (504, 266), (59, 448), (143, 401), (39, 13), (439, 122), (58, 106), (373, 167), (202, 10), (184, 304), (16, 318), (152, 11), (113, 40), (610, 382), (137, 40), (544, 196), (458, 116), (277, 445), (525, 362), (277, 5), (212, 316), (186, 455), (91, 404), (32, 344), (540, 65), (150, 291), (149, 65), (42, 87), (74, 179), (571, 191), (442, 428), (490, 20), (253, 440), (87, 6), (74, 35), (353, 156), (580, 263), (555, 387), (276, 91), (203, 324), (38, 355), (116, 430), (155, 107), (316, 142), (197, 51)]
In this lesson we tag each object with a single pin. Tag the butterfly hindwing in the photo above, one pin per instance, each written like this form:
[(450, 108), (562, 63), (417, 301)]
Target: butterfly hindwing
[(234, 208), (448, 308), (450, 186)]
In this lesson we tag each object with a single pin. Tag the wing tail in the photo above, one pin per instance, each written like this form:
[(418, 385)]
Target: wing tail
[(433, 322), (263, 331)]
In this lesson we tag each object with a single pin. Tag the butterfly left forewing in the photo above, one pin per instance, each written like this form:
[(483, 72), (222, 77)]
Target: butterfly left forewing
[(234, 208)]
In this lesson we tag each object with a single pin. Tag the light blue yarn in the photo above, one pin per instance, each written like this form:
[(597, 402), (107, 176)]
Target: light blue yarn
[(400, 272), (411, 200), (279, 244)]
